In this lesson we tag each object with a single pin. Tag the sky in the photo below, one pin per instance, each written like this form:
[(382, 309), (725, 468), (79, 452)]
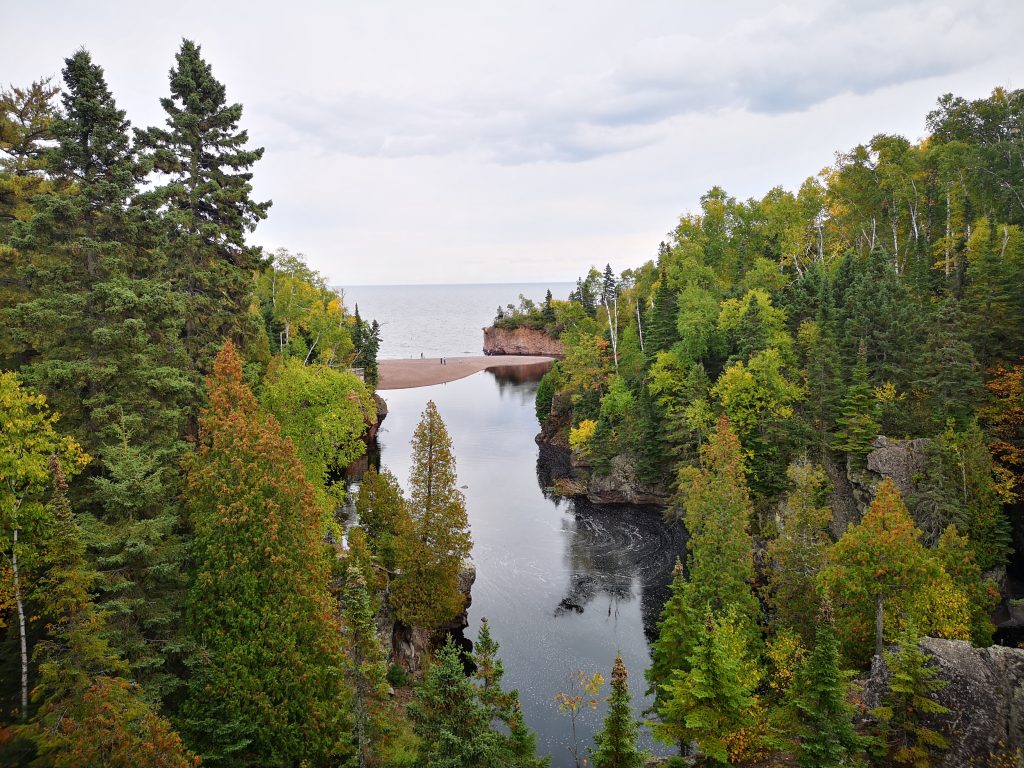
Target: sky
[(476, 141)]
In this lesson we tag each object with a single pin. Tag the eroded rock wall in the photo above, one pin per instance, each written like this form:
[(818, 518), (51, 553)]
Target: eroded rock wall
[(521, 341)]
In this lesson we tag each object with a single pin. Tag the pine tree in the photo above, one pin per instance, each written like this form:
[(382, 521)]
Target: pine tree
[(266, 687), (713, 699), (88, 714), (675, 636), (206, 202), (426, 591), (447, 716), (367, 669), (617, 740), (827, 738), (858, 423), (906, 739), (661, 330), (548, 312), (502, 706)]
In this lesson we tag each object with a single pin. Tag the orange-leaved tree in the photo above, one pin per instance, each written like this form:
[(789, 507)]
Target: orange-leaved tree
[(267, 686)]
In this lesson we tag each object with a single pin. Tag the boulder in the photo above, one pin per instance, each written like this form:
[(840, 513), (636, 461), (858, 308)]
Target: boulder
[(623, 486), (984, 694), (521, 341), (898, 460)]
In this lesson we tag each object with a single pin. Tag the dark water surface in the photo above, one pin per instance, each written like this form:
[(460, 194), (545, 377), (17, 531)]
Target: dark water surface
[(563, 585)]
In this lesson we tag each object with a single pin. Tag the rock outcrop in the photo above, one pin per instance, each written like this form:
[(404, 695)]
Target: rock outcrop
[(521, 341), (623, 486), (984, 694), (410, 645)]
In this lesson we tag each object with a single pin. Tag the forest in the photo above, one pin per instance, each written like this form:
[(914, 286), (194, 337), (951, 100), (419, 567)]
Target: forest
[(179, 588), (749, 373)]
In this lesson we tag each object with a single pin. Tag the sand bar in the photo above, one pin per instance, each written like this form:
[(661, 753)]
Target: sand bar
[(403, 374)]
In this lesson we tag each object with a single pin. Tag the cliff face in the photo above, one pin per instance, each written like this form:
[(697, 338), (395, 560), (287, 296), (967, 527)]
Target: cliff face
[(984, 694), (521, 341)]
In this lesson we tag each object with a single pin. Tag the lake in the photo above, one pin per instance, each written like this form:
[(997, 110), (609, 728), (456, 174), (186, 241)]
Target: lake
[(563, 584)]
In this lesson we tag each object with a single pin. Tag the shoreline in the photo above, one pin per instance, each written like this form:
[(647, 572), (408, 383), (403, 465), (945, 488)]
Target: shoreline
[(426, 372)]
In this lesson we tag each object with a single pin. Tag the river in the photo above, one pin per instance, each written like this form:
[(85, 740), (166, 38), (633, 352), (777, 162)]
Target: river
[(564, 585)]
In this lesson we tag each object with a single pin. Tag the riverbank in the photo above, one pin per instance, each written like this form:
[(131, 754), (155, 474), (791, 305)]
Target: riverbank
[(424, 372)]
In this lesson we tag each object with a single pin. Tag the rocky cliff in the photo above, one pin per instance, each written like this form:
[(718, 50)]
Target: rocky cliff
[(984, 693), (521, 341)]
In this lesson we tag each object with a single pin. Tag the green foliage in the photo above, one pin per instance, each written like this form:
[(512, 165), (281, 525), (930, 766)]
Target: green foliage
[(858, 422), (675, 635), (266, 687), (546, 389), (383, 515), (713, 699), (616, 742), (882, 560), (720, 559), (800, 551), (903, 735), (453, 719), (206, 205), (324, 413), (823, 714), (426, 591)]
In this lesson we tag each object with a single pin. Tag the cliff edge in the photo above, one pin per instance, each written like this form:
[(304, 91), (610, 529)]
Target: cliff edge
[(521, 341)]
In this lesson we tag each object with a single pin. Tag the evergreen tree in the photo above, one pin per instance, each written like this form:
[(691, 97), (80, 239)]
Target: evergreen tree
[(956, 556), (205, 199), (675, 636), (383, 515), (548, 312), (661, 329), (905, 738), (713, 698), (266, 687), (454, 728), (366, 669), (609, 286), (800, 551), (104, 328), (858, 422), (617, 740), (950, 374), (720, 561), (426, 591), (503, 706), (827, 738)]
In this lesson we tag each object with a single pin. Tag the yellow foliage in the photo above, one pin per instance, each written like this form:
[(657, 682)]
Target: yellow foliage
[(581, 435)]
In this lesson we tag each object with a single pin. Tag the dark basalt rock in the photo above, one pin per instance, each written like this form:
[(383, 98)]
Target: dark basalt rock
[(984, 693)]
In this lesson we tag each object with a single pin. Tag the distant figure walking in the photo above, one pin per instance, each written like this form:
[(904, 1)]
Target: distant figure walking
[(421, 355)]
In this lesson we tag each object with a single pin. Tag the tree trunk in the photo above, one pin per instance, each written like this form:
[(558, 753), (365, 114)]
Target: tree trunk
[(21, 628), (879, 625)]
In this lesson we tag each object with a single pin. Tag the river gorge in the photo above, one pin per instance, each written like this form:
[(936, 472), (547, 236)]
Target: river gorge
[(563, 584)]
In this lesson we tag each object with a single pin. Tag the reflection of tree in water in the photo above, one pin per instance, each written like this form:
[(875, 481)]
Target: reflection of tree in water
[(611, 550), (519, 380)]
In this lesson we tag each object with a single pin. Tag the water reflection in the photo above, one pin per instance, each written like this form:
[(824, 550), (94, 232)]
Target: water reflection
[(564, 584)]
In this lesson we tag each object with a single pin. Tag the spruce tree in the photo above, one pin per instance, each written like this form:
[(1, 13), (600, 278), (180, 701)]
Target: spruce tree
[(502, 706), (827, 738), (713, 699), (266, 688), (661, 329), (858, 423), (366, 669), (617, 740), (103, 329), (453, 727), (904, 737), (950, 374), (426, 591), (675, 636), (206, 200)]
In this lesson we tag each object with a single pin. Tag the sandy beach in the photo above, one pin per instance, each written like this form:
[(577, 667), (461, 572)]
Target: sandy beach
[(403, 374)]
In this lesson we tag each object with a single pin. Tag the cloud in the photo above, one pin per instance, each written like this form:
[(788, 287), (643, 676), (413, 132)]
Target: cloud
[(763, 60)]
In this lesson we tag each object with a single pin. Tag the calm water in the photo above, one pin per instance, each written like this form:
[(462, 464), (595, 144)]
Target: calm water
[(563, 585), (439, 320)]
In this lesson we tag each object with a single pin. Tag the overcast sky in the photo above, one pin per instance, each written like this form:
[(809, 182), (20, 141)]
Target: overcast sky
[(482, 141)]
